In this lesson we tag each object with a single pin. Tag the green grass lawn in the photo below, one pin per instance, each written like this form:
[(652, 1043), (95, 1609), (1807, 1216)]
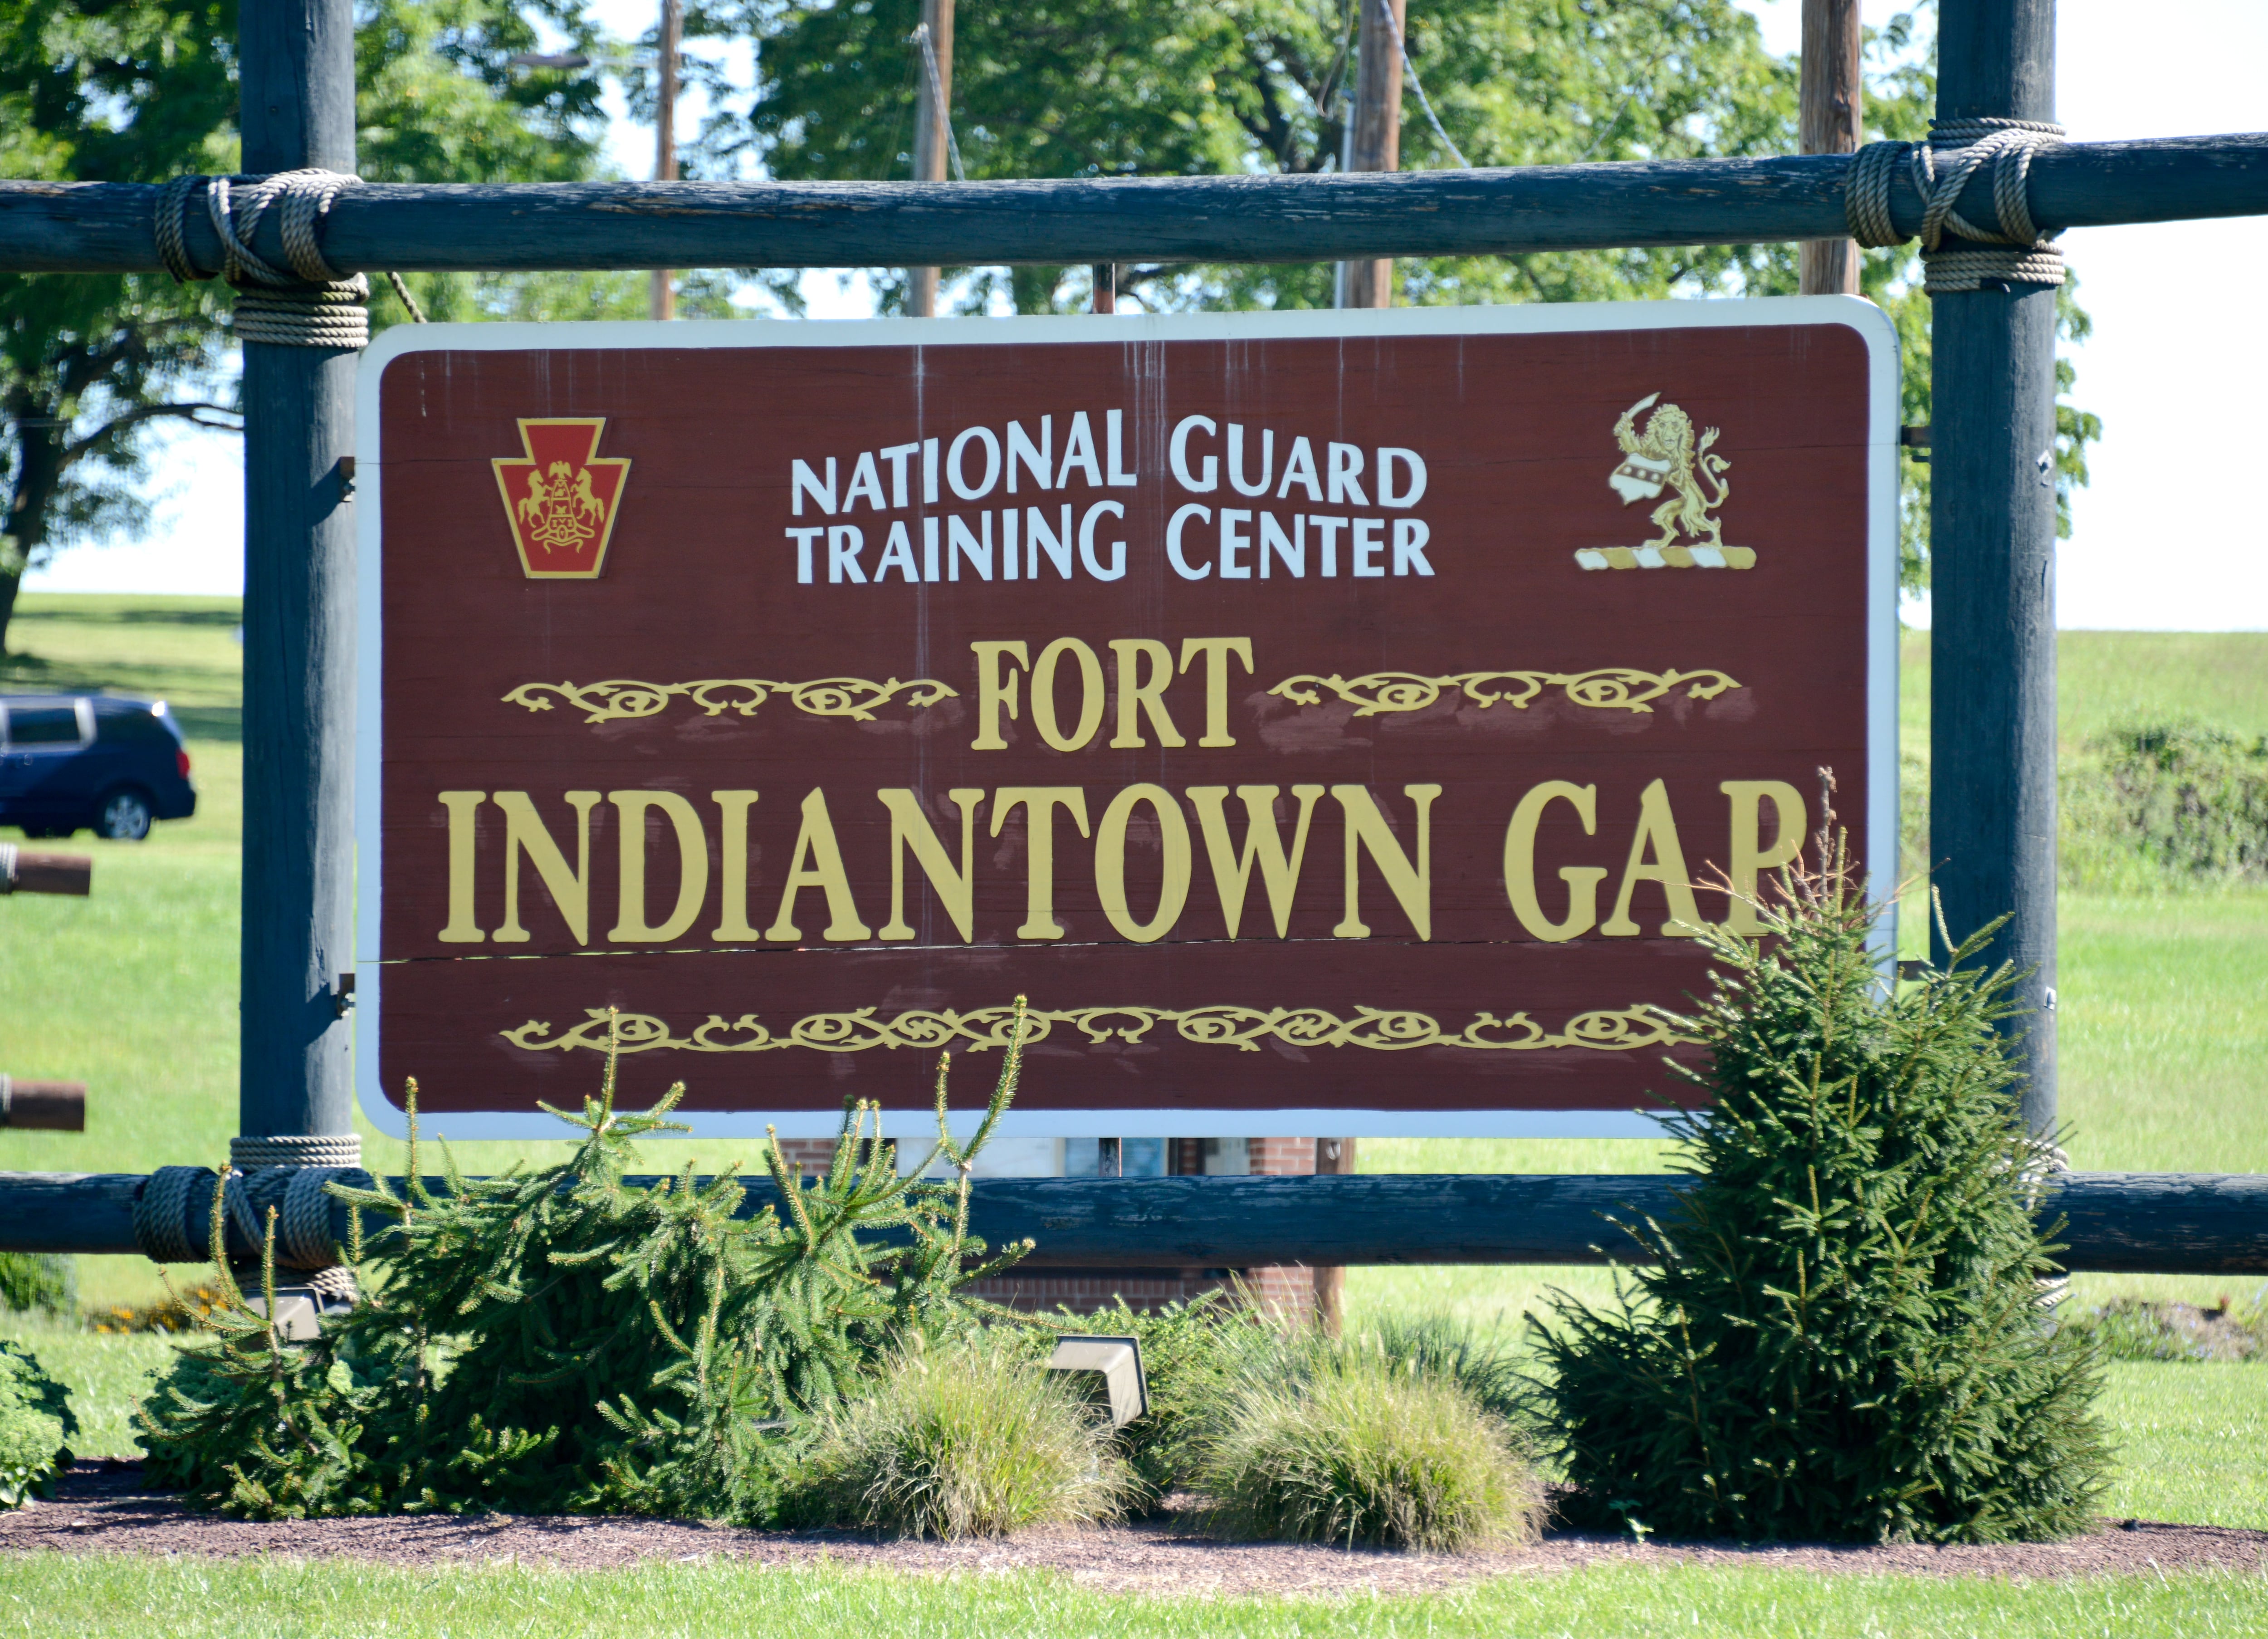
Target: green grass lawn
[(49, 1594)]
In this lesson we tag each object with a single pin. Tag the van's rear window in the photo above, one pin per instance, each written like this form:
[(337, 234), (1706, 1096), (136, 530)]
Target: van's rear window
[(42, 725)]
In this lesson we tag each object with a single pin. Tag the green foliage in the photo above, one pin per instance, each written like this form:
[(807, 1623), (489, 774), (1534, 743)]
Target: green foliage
[(2140, 1328), (1190, 1355), (35, 1281), (561, 1340), (975, 1438), (2185, 803), (35, 1420), (1843, 1335), (1353, 1444), (139, 91)]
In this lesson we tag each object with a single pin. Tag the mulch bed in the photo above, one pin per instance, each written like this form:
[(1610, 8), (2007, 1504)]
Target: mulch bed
[(102, 1508)]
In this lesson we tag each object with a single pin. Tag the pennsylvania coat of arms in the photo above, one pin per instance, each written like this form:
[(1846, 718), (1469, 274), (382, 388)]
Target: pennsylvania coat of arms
[(560, 496)]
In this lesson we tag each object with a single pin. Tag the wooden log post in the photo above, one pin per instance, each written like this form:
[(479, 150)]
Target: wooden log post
[(524, 227), (1377, 146), (661, 299), (932, 109), (43, 1106), (2132, 1222), (1334, 1157), (1992, 536), (1830, 102), (297, 89), (22, 871)]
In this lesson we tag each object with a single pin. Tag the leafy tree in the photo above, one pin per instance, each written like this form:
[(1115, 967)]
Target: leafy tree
[(138, 90), (1117, 88)]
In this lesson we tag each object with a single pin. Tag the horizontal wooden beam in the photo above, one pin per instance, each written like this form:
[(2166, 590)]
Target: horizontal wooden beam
[(107, 227), (2137, 1222), (25, 872), (48, 1106)]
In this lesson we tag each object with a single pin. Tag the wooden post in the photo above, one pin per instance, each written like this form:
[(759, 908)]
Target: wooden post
[(662, 300), (298, 90), (932, 108), (26, 872), (1377, 143), (1106, 287), (1831, 107), (1992, 515), (46, 1106), (1333, 1156)]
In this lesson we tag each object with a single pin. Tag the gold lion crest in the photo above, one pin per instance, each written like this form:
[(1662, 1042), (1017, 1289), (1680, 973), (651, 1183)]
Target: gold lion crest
[(1665, 458)]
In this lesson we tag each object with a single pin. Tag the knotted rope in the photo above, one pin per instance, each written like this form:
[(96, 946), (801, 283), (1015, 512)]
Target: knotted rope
[(2012, 250), (314, 304), (294, 1188)]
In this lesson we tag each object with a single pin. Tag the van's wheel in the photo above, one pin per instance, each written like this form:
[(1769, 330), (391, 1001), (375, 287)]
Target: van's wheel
[(125, 815)]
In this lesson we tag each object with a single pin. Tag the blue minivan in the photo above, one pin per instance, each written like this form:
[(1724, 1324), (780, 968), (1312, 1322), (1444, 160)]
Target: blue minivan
[(69, 762)]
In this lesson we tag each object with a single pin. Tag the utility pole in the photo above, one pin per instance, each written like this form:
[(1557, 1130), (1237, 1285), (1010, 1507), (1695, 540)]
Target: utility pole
[(932, 136), (1993, 536), (297, 89), (1830, 107), (663, 298), (1377, 133)]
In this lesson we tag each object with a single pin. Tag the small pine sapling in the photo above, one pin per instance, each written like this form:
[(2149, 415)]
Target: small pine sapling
[(1842, 1333), (566, 1339)]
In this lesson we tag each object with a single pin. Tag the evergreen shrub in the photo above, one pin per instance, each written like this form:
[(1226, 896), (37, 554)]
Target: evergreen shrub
[(562, 1340), (1350, 1444), (1842, 1333), (975, 1438), (35, 1425)]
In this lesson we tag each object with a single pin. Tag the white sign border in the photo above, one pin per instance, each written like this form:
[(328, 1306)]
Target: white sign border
[(1873, 326)]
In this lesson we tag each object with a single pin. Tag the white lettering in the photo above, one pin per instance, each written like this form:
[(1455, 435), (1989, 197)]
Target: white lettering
[(1177, 457), (952, 474), (1203, 514)]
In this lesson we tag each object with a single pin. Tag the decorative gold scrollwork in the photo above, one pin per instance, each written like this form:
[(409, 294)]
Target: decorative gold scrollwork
[(1615, 1030), (620, 699), (1613, 688)]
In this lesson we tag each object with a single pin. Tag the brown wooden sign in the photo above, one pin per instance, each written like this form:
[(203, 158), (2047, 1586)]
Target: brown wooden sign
[(1324, 719)]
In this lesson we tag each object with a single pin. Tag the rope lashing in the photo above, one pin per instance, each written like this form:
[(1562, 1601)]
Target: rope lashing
[(314, 304), (2012, 250), (288, 1174), (342, 1149), (161, 1218)]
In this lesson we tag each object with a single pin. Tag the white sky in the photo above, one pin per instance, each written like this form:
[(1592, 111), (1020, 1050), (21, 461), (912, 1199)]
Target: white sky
[(2168, 536)]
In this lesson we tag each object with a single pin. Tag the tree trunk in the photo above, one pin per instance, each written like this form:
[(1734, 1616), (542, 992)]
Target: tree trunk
[(39, 475)]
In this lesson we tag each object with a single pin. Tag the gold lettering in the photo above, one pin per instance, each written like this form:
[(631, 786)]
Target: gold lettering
[(818, 863), (732, 849), (1232, 873), (993, 693), (462, 929), (1150, 697), (1748, 861), (910, 828), (1519, 862), (1043, 694), (523, 833), (692, 861), (1657, 828), (1216, 652), (1040, 803), (1110, 862), (1366, 828)]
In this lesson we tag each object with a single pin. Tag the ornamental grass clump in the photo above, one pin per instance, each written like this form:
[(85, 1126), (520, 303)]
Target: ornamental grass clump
[(1842, 1333), (565, 1339), (1353, 1445), (975, 1438)]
